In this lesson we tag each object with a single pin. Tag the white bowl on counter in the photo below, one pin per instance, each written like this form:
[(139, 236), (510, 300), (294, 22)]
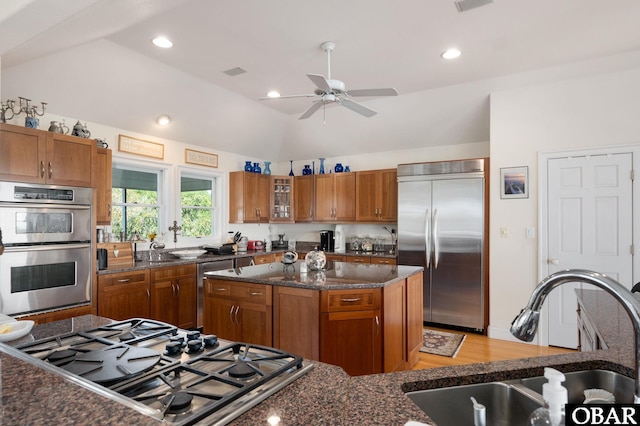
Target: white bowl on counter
[(10, 329), (188, 254)]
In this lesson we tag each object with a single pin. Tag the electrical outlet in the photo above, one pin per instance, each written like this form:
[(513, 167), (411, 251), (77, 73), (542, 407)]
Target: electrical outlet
[(504, 232)]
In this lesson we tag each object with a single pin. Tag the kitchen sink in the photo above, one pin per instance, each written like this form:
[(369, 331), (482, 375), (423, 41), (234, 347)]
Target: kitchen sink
[(510, 402), (622, 387)]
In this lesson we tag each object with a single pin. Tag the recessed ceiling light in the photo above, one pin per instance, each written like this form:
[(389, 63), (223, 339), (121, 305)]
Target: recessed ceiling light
[(451, 54), (273, 94), (163, 42), (163, 120)]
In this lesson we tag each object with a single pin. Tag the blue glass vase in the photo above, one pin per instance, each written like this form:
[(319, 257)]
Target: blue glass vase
[(291, 171), (338, 168), (321, 166), (247, 166), (347, 169), (267, 170), (306, 170), (257, 168)]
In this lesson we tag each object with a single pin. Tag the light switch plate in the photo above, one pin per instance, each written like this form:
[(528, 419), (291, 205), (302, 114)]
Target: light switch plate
[(504, 232), (531, 232)]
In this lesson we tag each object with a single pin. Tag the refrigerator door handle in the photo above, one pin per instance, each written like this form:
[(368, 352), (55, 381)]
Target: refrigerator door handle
[(436, 250), (427, 239)]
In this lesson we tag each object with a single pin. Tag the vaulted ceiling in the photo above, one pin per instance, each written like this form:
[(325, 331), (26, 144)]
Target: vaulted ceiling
[(93, 60)]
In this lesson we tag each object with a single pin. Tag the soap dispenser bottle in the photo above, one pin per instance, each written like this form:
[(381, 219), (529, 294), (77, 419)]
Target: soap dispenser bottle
[(555, 398)]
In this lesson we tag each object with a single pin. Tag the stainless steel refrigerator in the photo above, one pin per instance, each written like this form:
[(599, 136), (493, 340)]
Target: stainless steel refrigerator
[(442, 226)]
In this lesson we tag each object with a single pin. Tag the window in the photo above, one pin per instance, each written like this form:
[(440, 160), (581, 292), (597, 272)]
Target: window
[(136, 201), (197, 205)]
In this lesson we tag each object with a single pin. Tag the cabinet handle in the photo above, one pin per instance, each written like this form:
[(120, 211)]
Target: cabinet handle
[(377, 326), (237, 310), (383, 261), (148, 294), (50, 170), (231, 314), (255, 293), (42, 169), (124, 280), (219, 288), (351, 300), (109, 210), (177, 290)]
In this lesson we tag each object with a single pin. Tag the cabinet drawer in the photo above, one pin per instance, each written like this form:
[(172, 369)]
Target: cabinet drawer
[(217, 288), (254, 293), (383, 261), (169, 272), (350, 300), (265, 258), (336, 257), (359, 259), (125, 278)]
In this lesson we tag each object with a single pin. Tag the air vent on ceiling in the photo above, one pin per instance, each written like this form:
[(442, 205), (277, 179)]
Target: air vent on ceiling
[(464, 5), (234, 71)]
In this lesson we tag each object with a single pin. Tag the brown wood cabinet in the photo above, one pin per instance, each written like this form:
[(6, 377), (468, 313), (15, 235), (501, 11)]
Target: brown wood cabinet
[(103, 178), (394, 320), (239, 311), (296, 321), (303, 198), (383, 260), (351, 330), (248, 197), (124, 295), (60, 315), (414, 320), (282, 199), (261, 259), (359, 259), (335, 197), (377, 196), (173, 295), (37, 156)]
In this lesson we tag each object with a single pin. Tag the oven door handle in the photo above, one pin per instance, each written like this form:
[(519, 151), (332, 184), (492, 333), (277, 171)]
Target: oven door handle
[(46, 247), (36, 205)]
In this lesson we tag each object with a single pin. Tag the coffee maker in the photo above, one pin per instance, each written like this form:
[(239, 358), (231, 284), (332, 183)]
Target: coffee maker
[(326, 241)]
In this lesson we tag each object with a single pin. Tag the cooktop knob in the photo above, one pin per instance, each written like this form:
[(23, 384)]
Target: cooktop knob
[(194, 345), (173, 348), (193, 335), (210, 340)]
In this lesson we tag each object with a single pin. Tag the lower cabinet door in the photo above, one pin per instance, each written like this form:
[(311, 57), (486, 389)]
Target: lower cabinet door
[(253, 322), (162, 302), (219, 318), (186, 294), (352, 340)]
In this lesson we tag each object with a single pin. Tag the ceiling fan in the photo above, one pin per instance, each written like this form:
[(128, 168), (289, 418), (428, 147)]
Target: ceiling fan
[(334, 91)]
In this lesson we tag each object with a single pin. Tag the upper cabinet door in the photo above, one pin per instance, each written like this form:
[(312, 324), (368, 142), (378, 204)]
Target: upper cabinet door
[(248, 197), (377, 196), (304, 191), (345, 197), (22, 154), (70, 160)]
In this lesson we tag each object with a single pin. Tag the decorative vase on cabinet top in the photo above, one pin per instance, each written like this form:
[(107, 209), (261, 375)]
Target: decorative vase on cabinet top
[(306, 170), (247, 166), (291, 171), (257, 168), (321, 166), (267, 170), (338, 168)]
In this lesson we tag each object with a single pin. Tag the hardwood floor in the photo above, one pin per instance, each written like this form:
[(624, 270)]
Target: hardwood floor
[(479, 348)]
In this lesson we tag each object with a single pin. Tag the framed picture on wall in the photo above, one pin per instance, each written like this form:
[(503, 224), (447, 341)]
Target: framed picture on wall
[(514, 182)]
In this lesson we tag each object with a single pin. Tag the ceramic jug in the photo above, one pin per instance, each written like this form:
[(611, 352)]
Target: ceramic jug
[(290, 257), (57, 127), (81, 130)]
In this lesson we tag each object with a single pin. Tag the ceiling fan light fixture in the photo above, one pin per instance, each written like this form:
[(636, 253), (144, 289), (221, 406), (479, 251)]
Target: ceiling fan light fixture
[(451, 53), (163, 120), (273, 94), (163, 42)]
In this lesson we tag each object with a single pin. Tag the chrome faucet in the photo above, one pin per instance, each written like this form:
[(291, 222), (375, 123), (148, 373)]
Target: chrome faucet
[(524, 325)]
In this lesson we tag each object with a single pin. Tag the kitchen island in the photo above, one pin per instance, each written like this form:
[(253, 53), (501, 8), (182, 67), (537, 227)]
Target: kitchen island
[(326, 395)]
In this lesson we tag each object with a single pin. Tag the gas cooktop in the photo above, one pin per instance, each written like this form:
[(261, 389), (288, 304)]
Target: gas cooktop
[(177, 376)]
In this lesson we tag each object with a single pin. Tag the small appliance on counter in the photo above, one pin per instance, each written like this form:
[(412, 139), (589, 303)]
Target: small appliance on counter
[(243, 243), (255, 245), (282, 242), (327, 243)]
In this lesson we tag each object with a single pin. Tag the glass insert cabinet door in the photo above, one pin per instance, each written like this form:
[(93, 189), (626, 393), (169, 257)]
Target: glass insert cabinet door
[(281, 199)]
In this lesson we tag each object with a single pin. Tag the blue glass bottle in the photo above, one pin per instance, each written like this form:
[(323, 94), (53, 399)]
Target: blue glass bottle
[(267, 170), (338, 168), (291, 171), (347, 169), (257, 168), (247, 166), (306, 170), (321, 166)]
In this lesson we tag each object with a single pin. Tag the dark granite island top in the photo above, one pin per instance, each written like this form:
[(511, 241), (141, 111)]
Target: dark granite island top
[(325, 396), (336, 275)]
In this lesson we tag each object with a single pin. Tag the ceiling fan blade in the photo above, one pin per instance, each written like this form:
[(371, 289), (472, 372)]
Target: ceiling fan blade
[(309, 112), (320, 82), (354, 106), (310, 95), (387, 91)]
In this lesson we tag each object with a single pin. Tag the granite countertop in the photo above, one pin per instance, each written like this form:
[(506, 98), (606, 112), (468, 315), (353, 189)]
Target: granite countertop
[(335, 276), (171, 260), (326, 395)]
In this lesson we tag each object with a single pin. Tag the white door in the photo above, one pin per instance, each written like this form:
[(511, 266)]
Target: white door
[(590, 227)]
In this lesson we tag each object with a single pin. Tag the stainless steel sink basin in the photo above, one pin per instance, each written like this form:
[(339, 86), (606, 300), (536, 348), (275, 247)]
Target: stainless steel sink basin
[(622, 387), (510, 402), (506, 404)]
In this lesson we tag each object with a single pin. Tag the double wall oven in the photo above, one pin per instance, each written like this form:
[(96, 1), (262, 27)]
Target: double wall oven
[(47, 236)]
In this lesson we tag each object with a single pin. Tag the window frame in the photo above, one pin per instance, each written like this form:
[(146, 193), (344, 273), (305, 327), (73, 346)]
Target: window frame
[(217, 205)]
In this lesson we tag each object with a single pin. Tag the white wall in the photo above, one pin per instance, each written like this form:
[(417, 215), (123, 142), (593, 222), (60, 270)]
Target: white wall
[(582, 113)]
